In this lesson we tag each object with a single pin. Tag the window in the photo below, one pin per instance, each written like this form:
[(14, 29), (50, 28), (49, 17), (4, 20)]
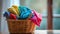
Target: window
[(15, 2), (56, 14), (41, 7)]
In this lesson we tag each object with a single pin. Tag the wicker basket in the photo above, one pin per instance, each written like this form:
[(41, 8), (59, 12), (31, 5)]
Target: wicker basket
[(20, 26)]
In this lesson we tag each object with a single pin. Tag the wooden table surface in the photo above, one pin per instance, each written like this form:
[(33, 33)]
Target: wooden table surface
[(35, 32), (39, 32)]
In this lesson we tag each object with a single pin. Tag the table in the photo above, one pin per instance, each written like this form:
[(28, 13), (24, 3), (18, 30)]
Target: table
[(35, 32)]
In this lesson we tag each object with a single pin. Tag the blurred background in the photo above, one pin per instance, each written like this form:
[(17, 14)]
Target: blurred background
[(40, 6)]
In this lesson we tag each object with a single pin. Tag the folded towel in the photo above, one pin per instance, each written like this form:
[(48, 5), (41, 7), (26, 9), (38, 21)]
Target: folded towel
[(6, 14), (24, 12), (37, 18), (16, 8), (12, 10), (12, 16)]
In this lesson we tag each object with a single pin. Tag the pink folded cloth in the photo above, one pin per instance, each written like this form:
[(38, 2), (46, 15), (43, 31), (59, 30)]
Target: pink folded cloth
[(37, 18)]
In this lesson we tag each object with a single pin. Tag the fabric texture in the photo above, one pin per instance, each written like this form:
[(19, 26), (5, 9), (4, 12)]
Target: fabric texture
[(12, 10), (12, 16), (24, 12), (6, 14), (16, 8), (37, 18)]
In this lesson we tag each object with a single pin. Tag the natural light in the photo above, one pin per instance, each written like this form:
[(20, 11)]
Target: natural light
[(41, 6)]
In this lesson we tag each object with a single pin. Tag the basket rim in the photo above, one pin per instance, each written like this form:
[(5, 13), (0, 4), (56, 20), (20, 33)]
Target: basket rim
[(17, 20)]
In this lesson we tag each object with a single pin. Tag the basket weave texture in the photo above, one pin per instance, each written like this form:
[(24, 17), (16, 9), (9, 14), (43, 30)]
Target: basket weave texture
[(20, 26)]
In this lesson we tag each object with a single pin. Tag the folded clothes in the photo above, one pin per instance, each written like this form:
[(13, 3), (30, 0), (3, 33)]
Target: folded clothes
[(24, 12), (9, 15), (36, 18), (16, 8), (6, 14), (12, 10), (12, 16)]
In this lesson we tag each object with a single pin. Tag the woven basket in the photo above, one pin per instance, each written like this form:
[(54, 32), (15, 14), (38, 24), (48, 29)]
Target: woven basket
[(20, 26)]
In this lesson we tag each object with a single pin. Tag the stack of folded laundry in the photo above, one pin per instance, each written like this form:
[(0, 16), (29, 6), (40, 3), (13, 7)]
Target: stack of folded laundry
[(23, 13)]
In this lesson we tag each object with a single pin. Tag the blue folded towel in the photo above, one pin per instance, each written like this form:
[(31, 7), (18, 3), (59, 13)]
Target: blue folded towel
[(24, 12), (6, 14)]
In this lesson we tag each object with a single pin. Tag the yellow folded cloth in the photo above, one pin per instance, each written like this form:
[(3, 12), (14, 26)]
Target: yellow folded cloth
[(12, 10), (16, 8)]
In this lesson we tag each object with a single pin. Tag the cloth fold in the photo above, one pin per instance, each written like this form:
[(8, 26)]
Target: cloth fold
[(37, 18), (24, 12)]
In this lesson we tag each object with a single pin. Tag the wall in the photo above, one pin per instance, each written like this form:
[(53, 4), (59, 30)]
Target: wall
[(5, 5), (0, 13)]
